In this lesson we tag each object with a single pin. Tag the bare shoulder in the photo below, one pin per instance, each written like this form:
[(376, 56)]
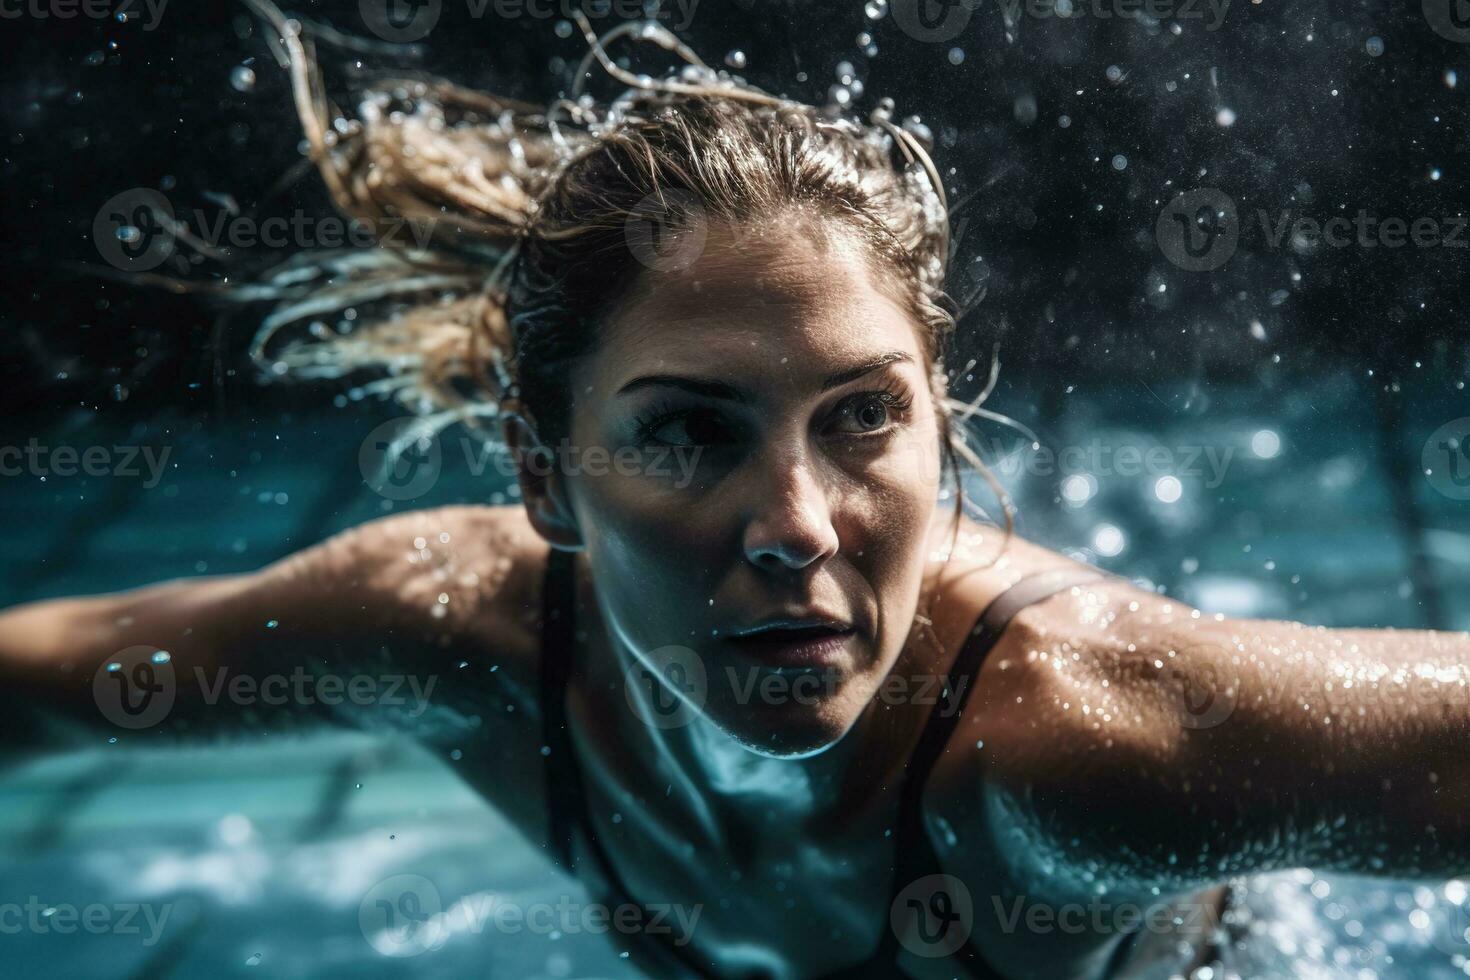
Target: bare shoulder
[(970, 566), (453, 574), (1068, 671)]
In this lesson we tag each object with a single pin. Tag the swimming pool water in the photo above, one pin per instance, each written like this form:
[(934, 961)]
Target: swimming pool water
[(265, 850)]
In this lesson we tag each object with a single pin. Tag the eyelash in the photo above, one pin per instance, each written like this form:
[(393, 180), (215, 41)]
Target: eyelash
[(895, 398), (645, 425)]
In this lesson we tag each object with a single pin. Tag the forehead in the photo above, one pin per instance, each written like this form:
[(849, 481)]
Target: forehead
[(753, 297)]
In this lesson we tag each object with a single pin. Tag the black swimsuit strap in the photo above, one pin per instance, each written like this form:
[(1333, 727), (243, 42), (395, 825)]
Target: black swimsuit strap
[(914, 854), (558, 641)]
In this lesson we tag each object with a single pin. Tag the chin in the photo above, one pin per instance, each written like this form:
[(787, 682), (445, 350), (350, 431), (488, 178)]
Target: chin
[(791, 731)]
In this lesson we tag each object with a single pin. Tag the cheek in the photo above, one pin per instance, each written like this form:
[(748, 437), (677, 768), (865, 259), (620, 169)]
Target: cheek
[(643, 558), (894, 496), (894, 507)]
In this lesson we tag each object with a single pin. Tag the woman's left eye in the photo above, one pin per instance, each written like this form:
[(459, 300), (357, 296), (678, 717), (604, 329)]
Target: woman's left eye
[(871, 411)]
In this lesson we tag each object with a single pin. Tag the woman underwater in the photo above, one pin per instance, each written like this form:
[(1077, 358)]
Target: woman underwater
[(859, 733)]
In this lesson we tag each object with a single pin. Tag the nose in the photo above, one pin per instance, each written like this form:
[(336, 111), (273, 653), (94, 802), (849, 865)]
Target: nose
[(791, 522)]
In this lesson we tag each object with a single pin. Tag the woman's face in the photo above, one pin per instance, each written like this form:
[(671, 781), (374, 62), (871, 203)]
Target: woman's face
[(787, 457)]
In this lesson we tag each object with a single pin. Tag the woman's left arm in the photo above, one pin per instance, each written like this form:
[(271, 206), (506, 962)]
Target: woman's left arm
[(1159, 748)]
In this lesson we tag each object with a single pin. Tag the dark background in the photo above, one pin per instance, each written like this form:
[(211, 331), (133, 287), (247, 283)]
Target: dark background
[(1065, 242), (1353, 355)]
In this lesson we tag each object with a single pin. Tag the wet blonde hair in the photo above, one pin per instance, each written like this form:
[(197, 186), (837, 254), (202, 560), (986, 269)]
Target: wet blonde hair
[(502, 227)]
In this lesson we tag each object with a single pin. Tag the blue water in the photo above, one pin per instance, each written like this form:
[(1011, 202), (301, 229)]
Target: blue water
[(264, 850)]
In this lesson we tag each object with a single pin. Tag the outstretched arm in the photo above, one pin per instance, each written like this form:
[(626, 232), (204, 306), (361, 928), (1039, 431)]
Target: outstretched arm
[(1159, 748), (419, 583)]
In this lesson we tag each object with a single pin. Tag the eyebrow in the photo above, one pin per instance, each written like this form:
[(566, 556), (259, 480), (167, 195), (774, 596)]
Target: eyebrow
[(709, 388)]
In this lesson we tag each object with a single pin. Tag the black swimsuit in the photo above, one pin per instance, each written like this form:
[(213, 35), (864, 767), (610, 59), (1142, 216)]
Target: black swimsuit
[(914, 855)]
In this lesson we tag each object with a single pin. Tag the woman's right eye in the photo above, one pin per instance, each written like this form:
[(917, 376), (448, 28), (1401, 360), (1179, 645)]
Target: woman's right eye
[(693, 427)]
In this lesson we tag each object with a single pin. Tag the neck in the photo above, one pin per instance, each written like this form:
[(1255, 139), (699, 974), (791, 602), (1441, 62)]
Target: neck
[(715, 769)]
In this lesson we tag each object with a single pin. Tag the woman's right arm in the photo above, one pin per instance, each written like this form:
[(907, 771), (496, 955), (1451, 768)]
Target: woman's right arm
[(418, 584)]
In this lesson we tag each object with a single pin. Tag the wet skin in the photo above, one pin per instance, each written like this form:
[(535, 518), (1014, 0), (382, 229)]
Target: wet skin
[(1081, 767)]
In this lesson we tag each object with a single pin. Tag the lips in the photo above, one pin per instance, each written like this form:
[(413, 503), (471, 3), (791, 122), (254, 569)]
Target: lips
[(809, 646)]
